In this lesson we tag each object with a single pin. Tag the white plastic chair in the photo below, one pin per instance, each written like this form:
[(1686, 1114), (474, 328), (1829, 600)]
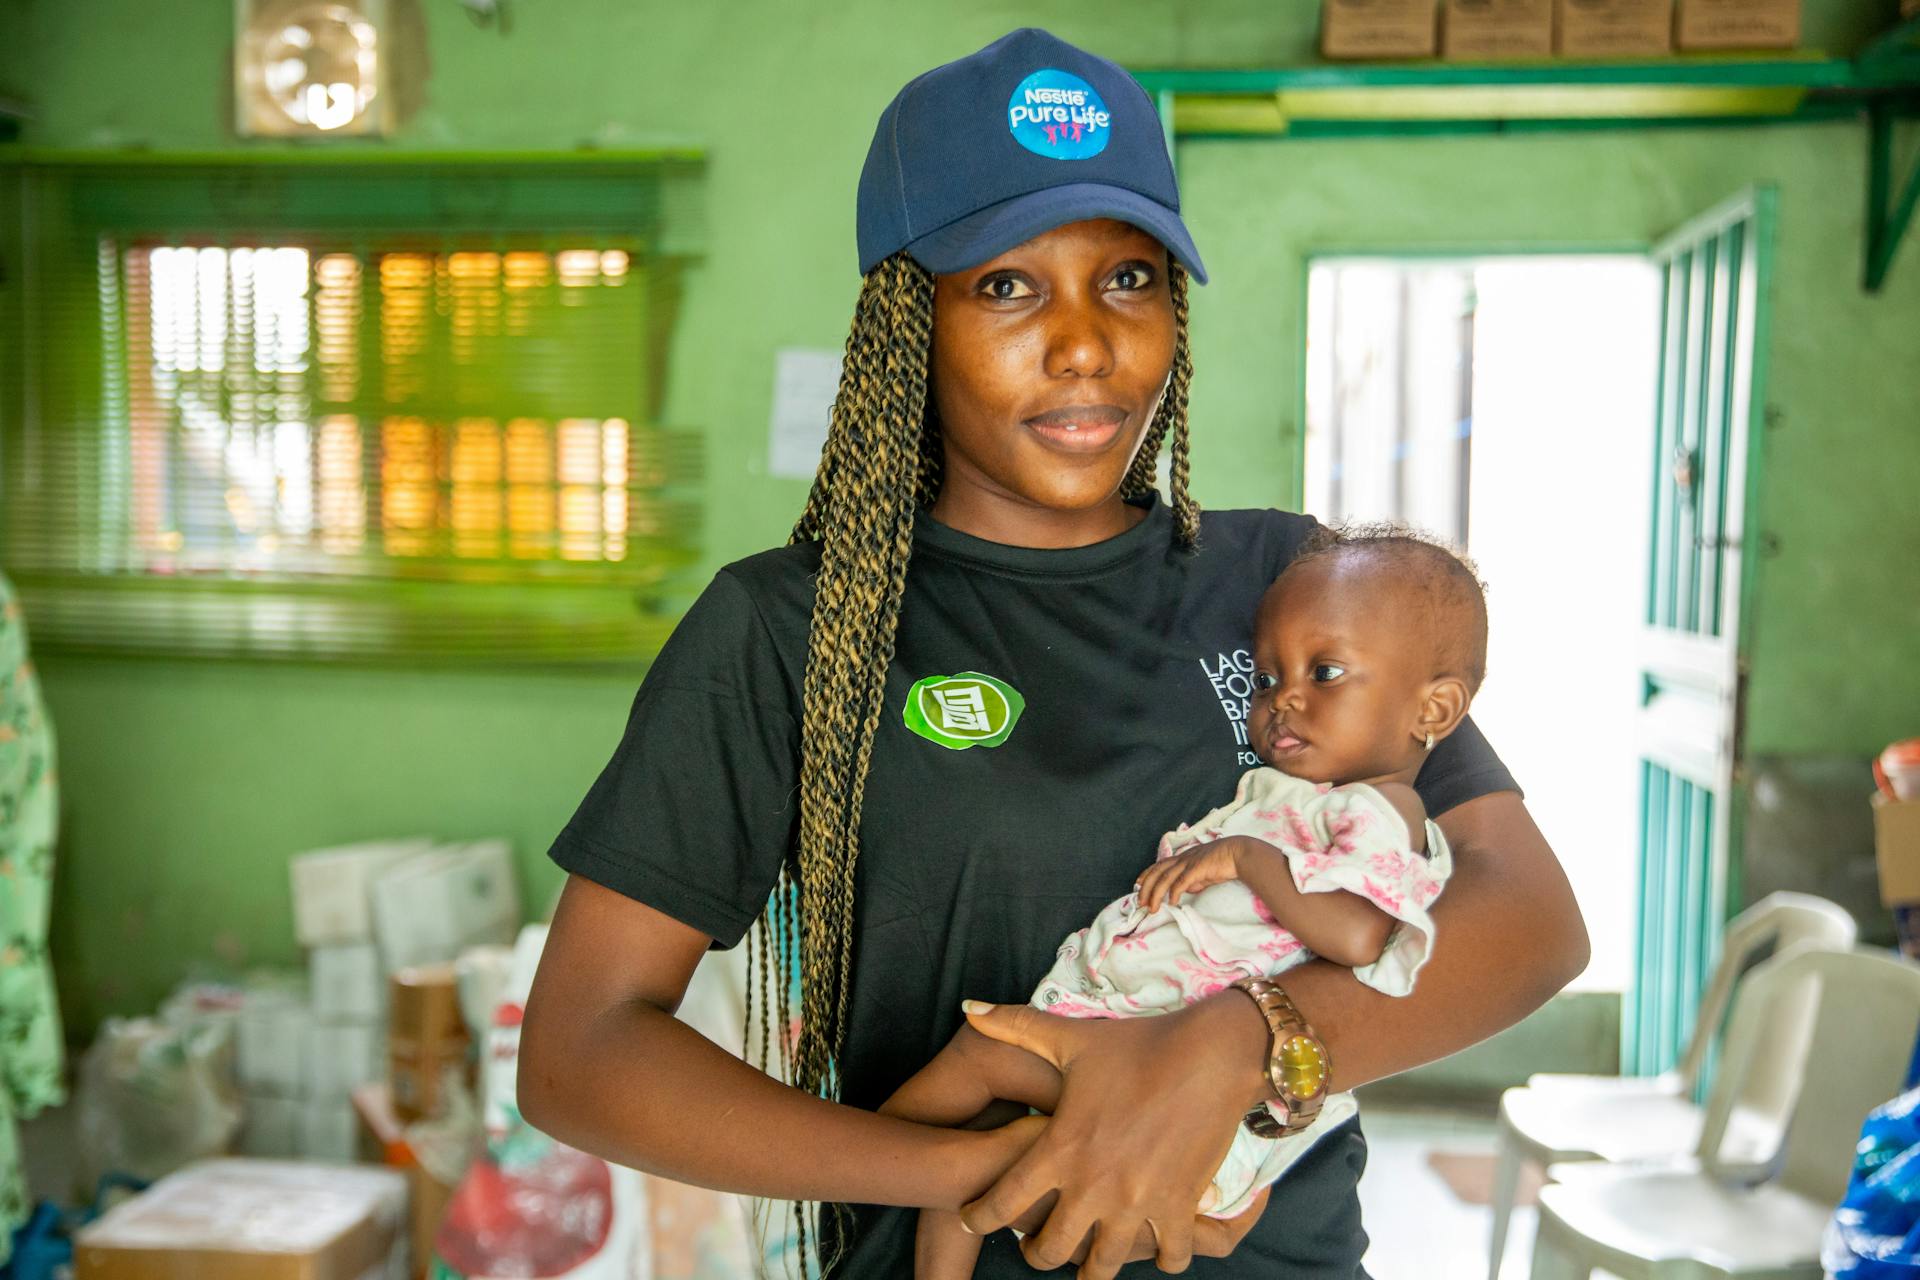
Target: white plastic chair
[(1693, 1219), (1564, 1118)]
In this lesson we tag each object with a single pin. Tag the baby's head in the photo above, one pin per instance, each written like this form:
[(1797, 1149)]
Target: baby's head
[(1371, 639)]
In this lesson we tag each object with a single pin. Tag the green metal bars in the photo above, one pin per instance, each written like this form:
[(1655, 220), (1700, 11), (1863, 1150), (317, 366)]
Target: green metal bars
[(1713, 325)]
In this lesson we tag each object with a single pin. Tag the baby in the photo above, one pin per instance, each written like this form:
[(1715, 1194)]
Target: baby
[(1367, 650)]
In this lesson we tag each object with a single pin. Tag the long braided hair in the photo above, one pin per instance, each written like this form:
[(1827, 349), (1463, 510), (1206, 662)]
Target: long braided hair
[(881, 464)]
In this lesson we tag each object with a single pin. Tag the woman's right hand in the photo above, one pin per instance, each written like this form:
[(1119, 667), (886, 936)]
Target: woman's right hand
[(1148, 1109), (1212, 1237), (1002, 1148)]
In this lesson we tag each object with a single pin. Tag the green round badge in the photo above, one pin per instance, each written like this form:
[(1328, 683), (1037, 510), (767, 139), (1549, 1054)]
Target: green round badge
[(967, 710)]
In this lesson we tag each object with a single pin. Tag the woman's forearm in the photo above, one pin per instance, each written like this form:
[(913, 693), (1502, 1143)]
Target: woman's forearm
[(638, 1087), (1508, 935)]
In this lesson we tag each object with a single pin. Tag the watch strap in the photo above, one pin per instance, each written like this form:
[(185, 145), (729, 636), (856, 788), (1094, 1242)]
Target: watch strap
[(1285, 1027)]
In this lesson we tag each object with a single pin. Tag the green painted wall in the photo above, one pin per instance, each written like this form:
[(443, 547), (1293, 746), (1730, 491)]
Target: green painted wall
[(188, 784)]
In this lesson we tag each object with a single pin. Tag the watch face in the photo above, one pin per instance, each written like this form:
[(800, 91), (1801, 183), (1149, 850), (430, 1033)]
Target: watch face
[(1303, 1066)]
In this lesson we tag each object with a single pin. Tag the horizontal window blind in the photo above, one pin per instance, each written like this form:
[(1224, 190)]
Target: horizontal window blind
[(352, 414)]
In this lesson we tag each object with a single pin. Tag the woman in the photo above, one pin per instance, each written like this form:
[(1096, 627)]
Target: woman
[(989, 627)]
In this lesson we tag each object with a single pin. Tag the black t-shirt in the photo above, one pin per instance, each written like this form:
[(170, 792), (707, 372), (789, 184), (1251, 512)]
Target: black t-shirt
[(1048, 715)]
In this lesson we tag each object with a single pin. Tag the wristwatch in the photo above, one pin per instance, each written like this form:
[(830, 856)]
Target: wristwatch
[(1297, 1064)]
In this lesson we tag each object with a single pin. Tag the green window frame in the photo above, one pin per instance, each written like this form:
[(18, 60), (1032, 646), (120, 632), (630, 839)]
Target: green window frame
[(333, 412)]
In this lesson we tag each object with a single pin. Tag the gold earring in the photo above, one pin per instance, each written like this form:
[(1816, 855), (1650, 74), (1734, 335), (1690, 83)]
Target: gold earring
[(1429, 739)]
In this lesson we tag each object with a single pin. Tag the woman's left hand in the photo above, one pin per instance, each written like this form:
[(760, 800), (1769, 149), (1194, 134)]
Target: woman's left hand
[(1147, 1112)]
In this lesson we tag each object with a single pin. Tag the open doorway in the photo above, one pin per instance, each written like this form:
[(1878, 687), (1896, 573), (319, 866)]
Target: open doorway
[(1506, 403)]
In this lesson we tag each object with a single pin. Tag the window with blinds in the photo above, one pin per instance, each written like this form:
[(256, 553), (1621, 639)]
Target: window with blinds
[(333, 413)]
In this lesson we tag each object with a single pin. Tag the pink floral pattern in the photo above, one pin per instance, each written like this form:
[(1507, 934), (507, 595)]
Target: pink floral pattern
[(1129, 963), (1337, 839)]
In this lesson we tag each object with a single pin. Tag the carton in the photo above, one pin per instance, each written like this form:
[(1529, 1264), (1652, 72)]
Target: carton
[(341, 1056), (1377, 29), (1478, 30), (1737, 24), (270, 1126), (427, 1039), (327, 1130), (425, 1005), (250, 1220), (271, 1041), (347, 982), (430, 908), (1896, 848), (330, 888), (420, 1075), (1612, 28)]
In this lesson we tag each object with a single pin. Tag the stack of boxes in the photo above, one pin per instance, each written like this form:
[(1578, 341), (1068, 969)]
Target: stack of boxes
[(1491, 30), (375, 919)]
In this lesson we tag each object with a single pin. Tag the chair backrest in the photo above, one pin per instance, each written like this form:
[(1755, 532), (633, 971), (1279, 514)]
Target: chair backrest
[(1784, 920), (1867, 1016)]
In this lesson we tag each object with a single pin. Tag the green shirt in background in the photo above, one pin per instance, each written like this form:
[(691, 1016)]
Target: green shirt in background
[(30, 1042)]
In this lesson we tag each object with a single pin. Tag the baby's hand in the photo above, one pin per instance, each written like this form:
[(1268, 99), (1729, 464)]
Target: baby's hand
[(1200, 867)]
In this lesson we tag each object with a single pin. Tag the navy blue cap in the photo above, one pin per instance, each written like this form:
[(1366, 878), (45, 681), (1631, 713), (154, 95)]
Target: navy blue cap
[(1026, 135)]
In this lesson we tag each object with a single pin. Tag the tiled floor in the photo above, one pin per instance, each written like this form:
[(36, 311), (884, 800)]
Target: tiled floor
[(1420, 1229)]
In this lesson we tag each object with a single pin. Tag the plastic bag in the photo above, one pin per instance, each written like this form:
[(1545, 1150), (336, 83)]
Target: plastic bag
[(155, 1095), (530, 1206), (1875, 1233)]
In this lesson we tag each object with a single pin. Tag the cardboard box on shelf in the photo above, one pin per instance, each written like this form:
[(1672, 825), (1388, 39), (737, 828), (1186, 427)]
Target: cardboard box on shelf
[(1613, 28), (429, 909), (1896, 848), (1377, 28), (347, 982), (250, 1220), (1737, 24), (1477, 30), (330, 888)]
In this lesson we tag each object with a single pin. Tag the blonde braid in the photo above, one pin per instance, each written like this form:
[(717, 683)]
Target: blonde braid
[(881, 463), (1171, 419)]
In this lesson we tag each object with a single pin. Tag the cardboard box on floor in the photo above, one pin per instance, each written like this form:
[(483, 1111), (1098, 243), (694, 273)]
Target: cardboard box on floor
[(1613, 28), (1896, 848), (1482, 30), (1377, 29), (1737, 24), (250, 1220)]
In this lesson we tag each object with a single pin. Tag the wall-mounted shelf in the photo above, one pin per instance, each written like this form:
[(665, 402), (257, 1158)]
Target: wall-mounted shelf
[(1344, 100)]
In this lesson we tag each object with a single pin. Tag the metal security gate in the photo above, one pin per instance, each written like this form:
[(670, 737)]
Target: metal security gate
[(1713, 340)]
